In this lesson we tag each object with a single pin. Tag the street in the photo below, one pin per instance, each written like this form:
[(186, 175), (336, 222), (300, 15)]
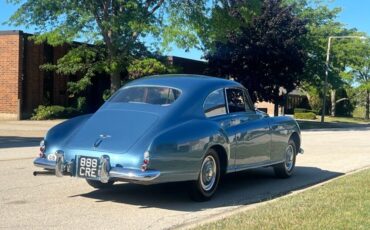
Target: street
[(30, 202)]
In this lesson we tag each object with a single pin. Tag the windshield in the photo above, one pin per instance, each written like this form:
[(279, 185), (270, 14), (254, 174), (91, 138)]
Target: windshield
[(147, 95)]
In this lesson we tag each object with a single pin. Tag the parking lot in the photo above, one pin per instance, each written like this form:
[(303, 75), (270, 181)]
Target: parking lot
[(30, 202)]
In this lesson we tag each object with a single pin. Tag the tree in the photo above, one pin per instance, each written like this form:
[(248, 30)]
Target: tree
[(202, 23), (116, 29), (359, 69), (266, 56), (322, 23), (149, 66), (228, 17)]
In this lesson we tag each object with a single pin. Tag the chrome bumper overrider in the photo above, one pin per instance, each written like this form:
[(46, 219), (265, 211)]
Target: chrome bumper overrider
[(106, 172)]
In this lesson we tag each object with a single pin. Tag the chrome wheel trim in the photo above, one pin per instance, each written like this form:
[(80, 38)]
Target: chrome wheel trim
[(289, 158), (208, 173)]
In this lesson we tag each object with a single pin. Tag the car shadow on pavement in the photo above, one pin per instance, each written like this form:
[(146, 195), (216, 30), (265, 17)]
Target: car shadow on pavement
[(243, 188), (15, 141)]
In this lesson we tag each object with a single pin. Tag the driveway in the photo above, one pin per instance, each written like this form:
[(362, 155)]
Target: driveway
[(30, 202)]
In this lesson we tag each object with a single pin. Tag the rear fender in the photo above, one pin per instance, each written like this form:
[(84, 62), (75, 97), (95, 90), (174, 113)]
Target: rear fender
[(57, 136), (282, 129), (178, 152)]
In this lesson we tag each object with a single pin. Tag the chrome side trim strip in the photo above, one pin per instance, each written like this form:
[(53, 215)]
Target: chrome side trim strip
[(258, 166)]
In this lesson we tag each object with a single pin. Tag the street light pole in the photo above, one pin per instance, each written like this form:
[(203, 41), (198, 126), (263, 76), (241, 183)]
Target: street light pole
[(327, 70), (326, 80)]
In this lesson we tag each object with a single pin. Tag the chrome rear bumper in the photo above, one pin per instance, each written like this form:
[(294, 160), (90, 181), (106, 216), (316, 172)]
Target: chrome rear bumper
[(106, 172), (44, 163)]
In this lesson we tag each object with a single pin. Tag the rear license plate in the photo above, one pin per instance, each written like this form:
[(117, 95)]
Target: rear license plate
[(88, 167)]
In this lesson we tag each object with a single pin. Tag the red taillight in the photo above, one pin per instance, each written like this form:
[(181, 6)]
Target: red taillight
[(42, 146), (144, 167), (146, 160), (42, 149)]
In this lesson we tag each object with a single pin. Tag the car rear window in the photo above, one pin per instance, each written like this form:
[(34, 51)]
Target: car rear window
[(147, 95)]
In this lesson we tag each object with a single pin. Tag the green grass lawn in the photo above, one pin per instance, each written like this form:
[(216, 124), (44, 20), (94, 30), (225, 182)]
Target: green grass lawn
[(334, 122), (341, 204), (347, 120)]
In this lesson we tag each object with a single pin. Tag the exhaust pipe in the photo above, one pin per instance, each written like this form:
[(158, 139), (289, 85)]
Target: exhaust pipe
[(44, 173)]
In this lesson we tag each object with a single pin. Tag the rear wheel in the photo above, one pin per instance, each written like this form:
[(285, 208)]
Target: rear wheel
[(206, 185), (286, 168), (99, 185)]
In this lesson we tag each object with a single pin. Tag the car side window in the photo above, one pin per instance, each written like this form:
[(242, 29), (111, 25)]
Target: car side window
[(214, 104), (235, 100)]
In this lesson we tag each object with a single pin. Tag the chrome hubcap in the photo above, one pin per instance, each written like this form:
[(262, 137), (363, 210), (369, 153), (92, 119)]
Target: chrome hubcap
[(289, 158), (208, 173)]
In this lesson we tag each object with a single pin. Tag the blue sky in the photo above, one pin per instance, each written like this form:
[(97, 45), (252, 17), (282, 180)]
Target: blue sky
[(355, 13)]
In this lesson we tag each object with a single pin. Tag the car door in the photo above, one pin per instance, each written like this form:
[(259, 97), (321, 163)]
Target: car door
[(215, 109), (252, 131)]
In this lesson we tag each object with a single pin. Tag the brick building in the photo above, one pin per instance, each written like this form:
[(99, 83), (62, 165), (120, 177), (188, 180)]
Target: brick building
[(10, 75), (23, 86), (295, 99)]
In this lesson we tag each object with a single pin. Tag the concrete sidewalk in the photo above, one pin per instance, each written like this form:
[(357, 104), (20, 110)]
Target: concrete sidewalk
[(20, 139), (26, 128)]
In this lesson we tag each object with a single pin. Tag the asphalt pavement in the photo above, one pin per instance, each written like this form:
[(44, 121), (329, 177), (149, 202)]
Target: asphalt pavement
[(47, 202)]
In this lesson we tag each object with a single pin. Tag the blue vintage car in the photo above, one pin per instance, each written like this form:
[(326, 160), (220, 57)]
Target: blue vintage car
[(172, 128)]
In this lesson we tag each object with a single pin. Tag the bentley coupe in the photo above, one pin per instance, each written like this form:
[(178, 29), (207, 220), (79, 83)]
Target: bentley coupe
[(172, 128)]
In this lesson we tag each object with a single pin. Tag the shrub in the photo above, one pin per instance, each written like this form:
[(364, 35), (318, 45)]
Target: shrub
[(306, 116), (54, 112), (359, 112), (71, 112), (81, 104), (314, 99)]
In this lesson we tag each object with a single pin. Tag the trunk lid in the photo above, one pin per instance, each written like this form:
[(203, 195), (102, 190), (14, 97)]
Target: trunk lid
[(113, 131)]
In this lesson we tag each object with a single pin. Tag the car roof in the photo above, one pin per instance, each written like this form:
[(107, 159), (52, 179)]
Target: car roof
[(194, 90), (185, 82)]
